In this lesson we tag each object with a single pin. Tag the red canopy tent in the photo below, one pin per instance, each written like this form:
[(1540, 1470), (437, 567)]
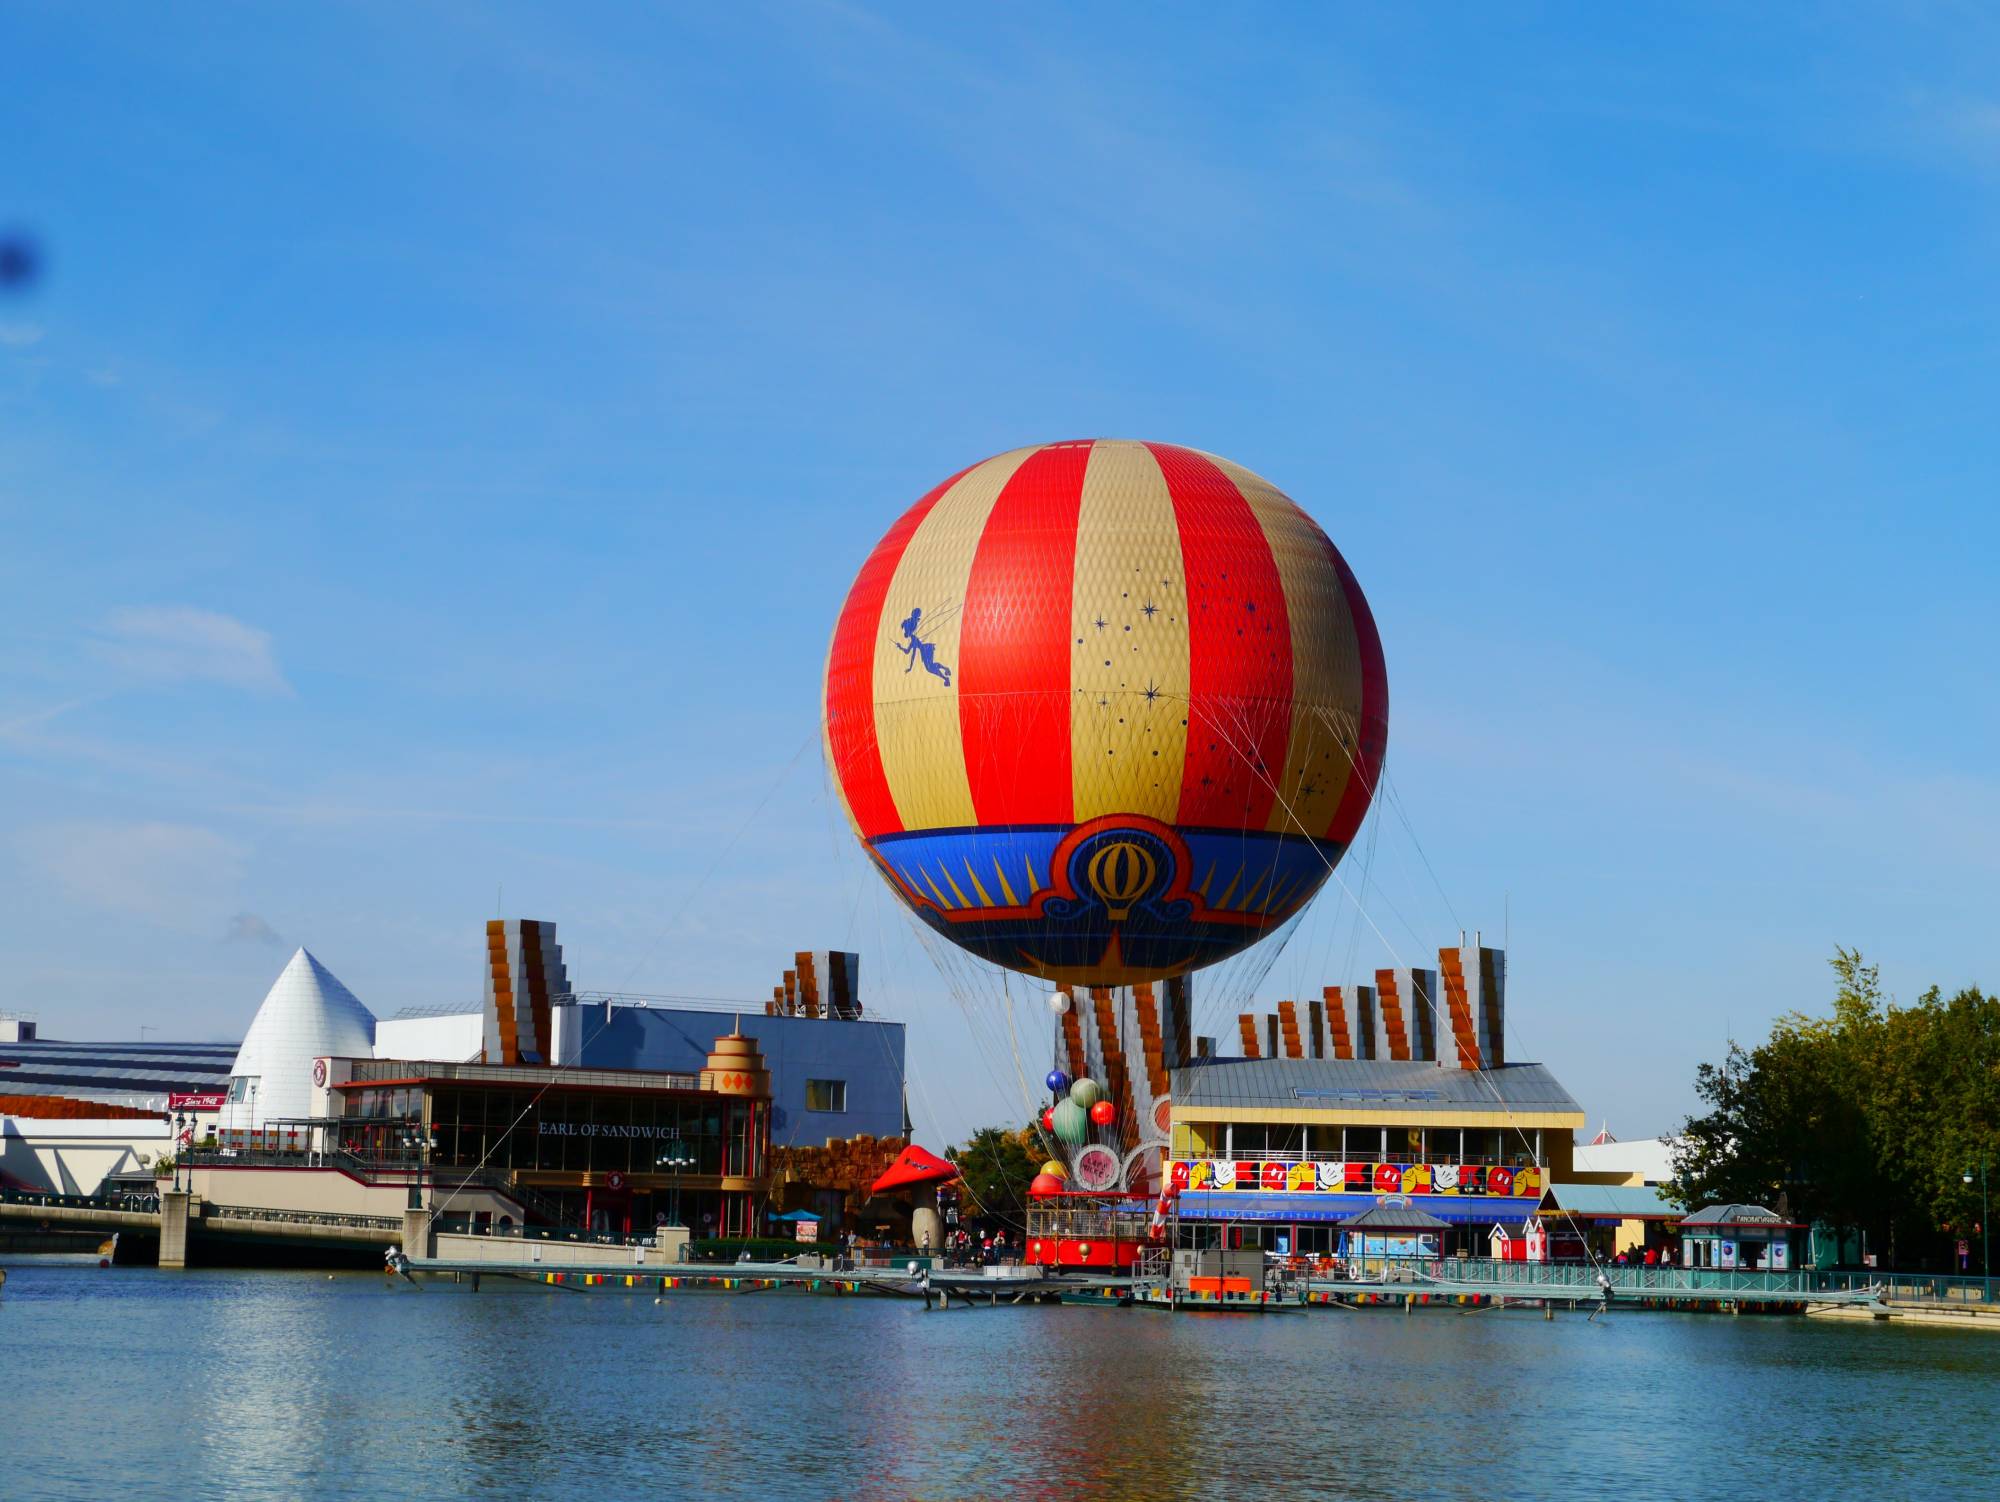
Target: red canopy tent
[(914, 1165)]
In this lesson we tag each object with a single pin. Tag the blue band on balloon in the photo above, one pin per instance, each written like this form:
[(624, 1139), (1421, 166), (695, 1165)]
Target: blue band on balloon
[(1108, 901)]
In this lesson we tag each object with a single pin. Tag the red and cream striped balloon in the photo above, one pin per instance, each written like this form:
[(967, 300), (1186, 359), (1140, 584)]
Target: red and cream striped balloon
[(1104, 711)]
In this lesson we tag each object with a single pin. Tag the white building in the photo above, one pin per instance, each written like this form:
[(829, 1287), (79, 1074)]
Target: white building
[(1649, 1160), (307, 1015), (76, 1156), (451, 1034)]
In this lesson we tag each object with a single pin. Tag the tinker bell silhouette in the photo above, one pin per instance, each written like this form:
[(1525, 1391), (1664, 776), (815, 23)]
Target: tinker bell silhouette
[(915, 648)]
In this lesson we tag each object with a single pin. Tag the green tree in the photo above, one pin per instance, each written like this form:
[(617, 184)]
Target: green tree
[(1866, 1120), (996, 1167), (1941, 1079)]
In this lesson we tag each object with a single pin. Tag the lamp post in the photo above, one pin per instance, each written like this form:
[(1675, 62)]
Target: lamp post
[(183, 1129), (1985, 1234), (415, 1139), (679, 1159)]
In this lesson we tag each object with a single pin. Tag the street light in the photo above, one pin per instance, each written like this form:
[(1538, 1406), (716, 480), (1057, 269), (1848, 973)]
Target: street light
[(416, 1140), (679, 1159), (183, 1124), (1985, 1234)]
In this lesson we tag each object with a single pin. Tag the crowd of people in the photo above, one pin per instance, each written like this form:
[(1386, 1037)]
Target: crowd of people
[(972, 1247), (1652, 1257)]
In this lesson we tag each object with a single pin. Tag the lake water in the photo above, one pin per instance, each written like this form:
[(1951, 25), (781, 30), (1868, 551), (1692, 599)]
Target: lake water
[(136, 1383)]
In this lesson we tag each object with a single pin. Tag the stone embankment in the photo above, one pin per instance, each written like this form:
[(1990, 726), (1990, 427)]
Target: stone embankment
[(1955, 1315)]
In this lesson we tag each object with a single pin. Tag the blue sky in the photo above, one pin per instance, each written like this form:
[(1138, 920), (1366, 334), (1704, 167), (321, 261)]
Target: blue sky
[(441, 437)]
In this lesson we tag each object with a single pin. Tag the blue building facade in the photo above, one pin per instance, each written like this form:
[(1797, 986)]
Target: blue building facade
[(829, 1077)]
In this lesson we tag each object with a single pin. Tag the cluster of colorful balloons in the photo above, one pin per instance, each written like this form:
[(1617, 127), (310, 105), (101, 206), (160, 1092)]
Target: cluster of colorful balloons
[(1082, 1106)]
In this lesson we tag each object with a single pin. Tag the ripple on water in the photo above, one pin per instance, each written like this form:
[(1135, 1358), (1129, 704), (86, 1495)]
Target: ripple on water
[(291, 1385)]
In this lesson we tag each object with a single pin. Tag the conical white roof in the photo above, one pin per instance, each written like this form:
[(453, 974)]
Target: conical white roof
[(307, 1014)]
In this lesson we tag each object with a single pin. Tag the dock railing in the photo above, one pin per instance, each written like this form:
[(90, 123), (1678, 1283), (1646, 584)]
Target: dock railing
[(138, 1203), (1925, 1288), (1912, 1288), (1626, 1279), (267, 1215), (460, 1225)]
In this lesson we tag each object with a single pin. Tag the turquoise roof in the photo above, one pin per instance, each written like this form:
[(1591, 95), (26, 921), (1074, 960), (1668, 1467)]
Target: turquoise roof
[(1610, 1201)]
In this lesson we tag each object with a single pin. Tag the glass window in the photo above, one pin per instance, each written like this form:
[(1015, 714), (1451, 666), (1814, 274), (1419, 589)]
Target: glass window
[(1283, 1140), (826, 1095), (736, 1140)]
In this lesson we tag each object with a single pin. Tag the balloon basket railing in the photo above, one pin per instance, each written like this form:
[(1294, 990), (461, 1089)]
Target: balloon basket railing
[(1103, 1232)]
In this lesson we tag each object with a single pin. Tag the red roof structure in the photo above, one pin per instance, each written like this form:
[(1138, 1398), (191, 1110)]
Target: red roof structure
[(68, 1108), (914, 1165)]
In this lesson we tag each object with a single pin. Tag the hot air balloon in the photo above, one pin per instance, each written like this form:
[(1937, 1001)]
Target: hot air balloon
[(1105, 711)]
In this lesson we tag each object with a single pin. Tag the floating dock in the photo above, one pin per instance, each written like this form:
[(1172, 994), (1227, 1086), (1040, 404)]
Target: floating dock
[(995, 1287)]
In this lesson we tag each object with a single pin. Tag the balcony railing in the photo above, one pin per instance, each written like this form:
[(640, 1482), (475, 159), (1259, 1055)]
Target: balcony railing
[(377, 1071), (304, 1157), (1403, 1159)]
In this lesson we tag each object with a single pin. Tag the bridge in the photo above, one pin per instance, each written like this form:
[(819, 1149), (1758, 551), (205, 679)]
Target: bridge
[(176, 1222), (171, 1220)]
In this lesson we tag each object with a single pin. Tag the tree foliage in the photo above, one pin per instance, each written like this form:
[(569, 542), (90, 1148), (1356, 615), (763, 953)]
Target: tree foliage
[(1868, 1119), (996, 1167)]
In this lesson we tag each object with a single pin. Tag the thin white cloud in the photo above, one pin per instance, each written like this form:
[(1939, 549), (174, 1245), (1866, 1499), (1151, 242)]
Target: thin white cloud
[(177, 876), (21, 726), (21, 335), (1955, 130), (177, 644), (249, 928)]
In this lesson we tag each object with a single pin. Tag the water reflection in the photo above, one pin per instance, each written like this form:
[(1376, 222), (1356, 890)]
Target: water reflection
[(283, 1385)]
